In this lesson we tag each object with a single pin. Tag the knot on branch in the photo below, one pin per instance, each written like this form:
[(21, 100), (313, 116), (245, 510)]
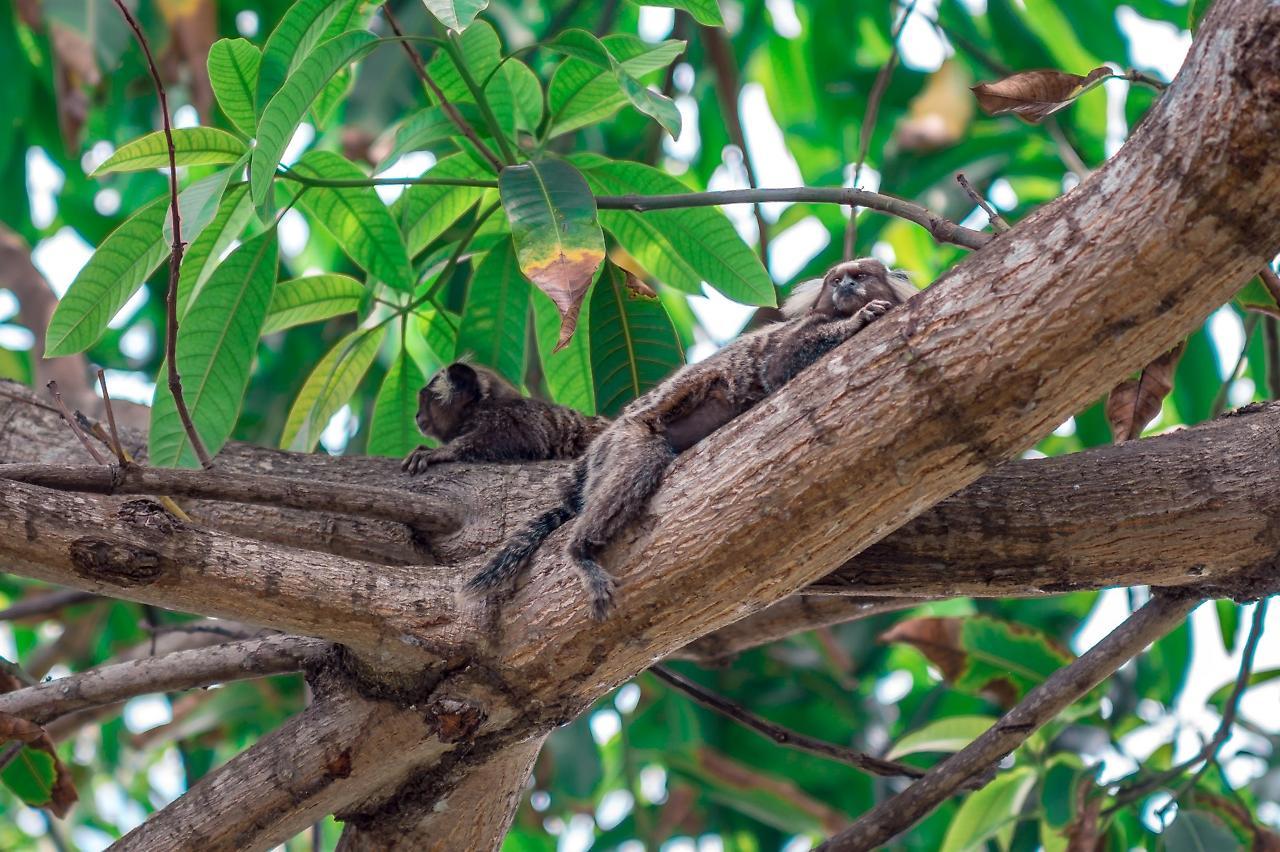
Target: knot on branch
[(115, 563), (454, 720), (149, 515)]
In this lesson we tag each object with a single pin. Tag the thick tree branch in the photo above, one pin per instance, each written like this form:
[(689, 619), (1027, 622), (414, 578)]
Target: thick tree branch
[(180, 670), (1065, 686)]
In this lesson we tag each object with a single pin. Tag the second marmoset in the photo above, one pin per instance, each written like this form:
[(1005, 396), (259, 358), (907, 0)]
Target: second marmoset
[(478, 416)]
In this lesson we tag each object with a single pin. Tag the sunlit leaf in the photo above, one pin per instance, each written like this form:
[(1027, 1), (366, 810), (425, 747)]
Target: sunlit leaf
[(424, 212), (1036, 95), (202, 256), (526, 92), (303, 25), (456, 14), (233, 74), (329, 387), (193, 146), (393, 430), (124, 260), (216, 344), (988, 810), (311, 299), (557, 236), (198, 203), (706, 12), (949, 734), (494, 323), (426, 128), (583, 93), (633, 344)]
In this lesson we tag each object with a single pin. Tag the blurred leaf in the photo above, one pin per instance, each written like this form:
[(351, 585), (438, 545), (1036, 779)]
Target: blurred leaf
[(283, 113), (36, 775), (633, 344), (456, 14), (216, 344), (1035, 95), (1198, 831), (356, 218), (202, 256), (987, 811), (233, 73), (17, 366), (940, 114), (393, 430), (1220, 695), (427, 127), (1134, 403), (1058, 793), (192, 146), (567, 372), (303, 26), (706, 12), (944, 735), (125, 259), (1237, 819), (329, 387), (494, 323), (556, 233), (310, 299), (583, 93), (424, 212), (1228, 623)]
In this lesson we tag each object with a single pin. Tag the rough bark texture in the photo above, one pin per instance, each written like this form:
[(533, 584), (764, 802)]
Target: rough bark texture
[(432, 711)]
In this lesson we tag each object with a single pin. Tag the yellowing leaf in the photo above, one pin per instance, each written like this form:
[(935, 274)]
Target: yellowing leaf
[(941, 113)]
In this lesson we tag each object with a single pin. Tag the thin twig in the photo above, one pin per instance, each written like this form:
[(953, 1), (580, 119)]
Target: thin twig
[(998, 224), (175, 256), (16, 397), (453, 46), (1133, 75), (1220, 399), (1066, 151), (868, 125), (424, 180), (449, 109), (784, 736), (1265, 310), (116, 446), (1271, 281), (44, 606), (65, 413), (456, 258), (1064, 687)]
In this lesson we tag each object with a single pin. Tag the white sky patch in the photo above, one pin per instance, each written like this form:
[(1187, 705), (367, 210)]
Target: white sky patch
[(656, 22), (131, 385), (97, 154), (884, 253), (686, 148), (411, 165), (247, 23), (894, 687), (627, 698), (87, 839), (186, 116), (680, 844), (613, 808), (731, 174), (16, 338), (797, 844), (166, 777), (138, 342), (146, 712), (653, 784), (921, 46), (126, 314), (720, 316), (977, 219), (1153, 45), (293, 233), (60, 258), (1241, 392), (44, 181), (107, 202), (579, 834), (540, 800), (791, 250), (301, 139), (339, 430), (8, 305), (605, 725), (783, 15), (683, 77), (1111, 608), (1227, 332), (1002, 195), (975, 7), (1067, 429), (1117, 124), (774, 164)]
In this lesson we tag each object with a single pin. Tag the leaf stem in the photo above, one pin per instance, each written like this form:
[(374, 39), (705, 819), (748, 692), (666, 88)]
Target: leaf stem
[(455, 53), (456, 257), (426, 180)]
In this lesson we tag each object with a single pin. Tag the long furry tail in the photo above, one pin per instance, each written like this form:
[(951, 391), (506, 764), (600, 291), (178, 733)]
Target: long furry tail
[(503, 568)]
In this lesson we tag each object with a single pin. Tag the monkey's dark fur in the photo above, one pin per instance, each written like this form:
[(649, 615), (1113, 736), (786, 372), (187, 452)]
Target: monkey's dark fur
[(480, 417), (608, 487)]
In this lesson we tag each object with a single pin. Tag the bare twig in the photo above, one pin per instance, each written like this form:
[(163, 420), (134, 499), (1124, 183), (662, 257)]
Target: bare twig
[(1271, 281), (44, 606), (720, 52), (168, 673), (16, 672), (998, 224), (1271, 325), (1220, 399), (175, 257), (868, 125), (116, 447), (29, 401), (1133, 75), (70, 420), (449, 109), (1065, 686), (784, 736), (1265, 310), (1066, 151), (418, 510)]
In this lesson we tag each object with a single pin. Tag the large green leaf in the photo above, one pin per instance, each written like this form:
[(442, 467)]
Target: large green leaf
[(199, 203), (567, 372), (312, 298), (428, 127), (456, 14), (303, 25), (393, 430), (356, 218), (583, 93), (201, 258), (585, 46), (944, 735), (329, 387), (118, 267), (1001, 650), (526, 91), (987, 811), (192, 146), (633, 343), (285, 110), (216, 344), (681, 247), (481, 50), (558, 239), (31, 776), (706, 12), (424, 211), (495, 321), (233, 74)]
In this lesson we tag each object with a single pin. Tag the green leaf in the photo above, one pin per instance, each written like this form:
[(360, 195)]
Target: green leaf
[(424, 212), (356, 218), (30, 776), (17, 366), (633, 343), (217, 340), (199, 203), (583, 93), (285, 110), (1198, 831), (567, 372), (118, 267), (582, 44), (303, 25), (233, 74), (1002, 650), (310, 299), (1228, 623), (494, 323), (988, 810), (456, 14), (192, 146), (329, 387), (481, 50), (1058, 792), (526, 91), (706, 12), (331, 97), (1220, 696), (437, 332), (393, 430), (681, 247), (557, 237), (428, 127), (945, 735), (201, 257), (657, 106)]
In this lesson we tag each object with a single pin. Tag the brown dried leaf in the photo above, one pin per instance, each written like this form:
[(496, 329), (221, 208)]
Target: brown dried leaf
[(194, 25), (1136, 402), (1082, 833), (63, 794), (639, 289), (938, 638), (75, 68), (1035, 95), (941, 113)]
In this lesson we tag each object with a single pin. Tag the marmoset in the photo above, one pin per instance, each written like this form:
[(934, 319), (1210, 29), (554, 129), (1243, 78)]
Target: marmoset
[(479, 416), (623, 466)]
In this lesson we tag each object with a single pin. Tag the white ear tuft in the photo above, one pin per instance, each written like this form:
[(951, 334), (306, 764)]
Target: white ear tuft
[(802, 299)]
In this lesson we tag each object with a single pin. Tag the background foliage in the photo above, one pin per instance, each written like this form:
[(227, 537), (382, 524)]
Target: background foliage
[(314, 305)]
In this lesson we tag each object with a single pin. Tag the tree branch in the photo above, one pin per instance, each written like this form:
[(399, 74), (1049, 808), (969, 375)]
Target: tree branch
[(172, 672), (1064, 687)]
